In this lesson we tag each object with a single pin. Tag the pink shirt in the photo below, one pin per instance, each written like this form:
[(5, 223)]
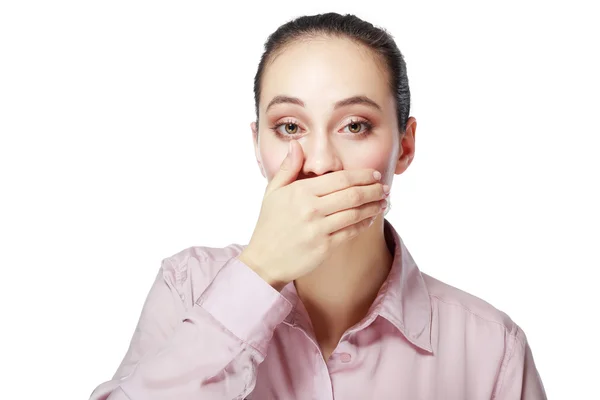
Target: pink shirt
[(213, 329)]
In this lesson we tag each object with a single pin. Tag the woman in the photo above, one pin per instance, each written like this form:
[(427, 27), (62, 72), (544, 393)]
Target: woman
[(325, 301)]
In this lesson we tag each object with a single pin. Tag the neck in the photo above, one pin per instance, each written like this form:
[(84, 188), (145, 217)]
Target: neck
[(339, 293)]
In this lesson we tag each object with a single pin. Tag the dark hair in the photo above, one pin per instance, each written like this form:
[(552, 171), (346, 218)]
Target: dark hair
[(353, 28)]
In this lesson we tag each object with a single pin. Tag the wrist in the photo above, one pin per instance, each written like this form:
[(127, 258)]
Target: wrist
[(268, 277)]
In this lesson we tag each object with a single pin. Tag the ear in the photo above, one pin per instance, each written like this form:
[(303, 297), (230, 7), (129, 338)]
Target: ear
[(407, 146), (254, 127)]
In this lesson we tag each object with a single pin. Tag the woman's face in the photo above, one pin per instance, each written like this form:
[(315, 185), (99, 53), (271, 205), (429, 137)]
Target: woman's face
[(330, 95)]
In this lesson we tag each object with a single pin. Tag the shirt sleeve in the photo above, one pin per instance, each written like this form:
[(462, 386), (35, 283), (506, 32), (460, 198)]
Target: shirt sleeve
[(210, 350), (518, 378)]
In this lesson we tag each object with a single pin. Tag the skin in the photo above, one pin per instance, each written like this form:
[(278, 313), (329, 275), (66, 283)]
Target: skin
[(320, 72)]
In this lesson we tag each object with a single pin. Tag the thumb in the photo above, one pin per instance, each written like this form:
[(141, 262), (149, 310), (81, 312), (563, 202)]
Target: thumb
[(289, 169)]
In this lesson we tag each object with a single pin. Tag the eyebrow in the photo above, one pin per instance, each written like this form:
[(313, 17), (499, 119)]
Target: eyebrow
[(342, 103)]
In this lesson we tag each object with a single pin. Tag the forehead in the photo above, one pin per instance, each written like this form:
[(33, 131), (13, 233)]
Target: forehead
[(323, 70)]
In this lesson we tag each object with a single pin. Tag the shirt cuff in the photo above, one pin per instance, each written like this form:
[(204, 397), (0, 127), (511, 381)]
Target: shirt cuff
[(245, 304)]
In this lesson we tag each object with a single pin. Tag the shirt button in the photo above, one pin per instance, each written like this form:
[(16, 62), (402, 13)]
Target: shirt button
[(345, 357)]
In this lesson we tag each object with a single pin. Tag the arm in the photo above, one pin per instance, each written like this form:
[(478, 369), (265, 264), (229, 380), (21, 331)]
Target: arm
[(519, 378), (209, 350)]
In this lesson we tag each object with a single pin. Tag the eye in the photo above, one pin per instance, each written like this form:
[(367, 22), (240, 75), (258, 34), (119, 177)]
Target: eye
[(359, 128), (355, 127), (291, 128)]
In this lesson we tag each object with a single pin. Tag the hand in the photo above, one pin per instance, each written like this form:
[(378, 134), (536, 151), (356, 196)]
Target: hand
[(300, 222)]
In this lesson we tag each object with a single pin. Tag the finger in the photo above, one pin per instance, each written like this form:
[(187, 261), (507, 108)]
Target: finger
[(351, 197), (289, 169), (338, 180), (343, 219), (349, 232)]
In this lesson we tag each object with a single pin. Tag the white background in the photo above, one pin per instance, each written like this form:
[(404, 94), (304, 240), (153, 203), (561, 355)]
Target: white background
[(125, 138)]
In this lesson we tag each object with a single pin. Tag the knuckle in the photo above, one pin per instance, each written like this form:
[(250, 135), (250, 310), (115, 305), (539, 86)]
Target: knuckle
[(313, 234), (309, 212), (323, 246), (355, 196), (344, 180), (353, 215), (348, 233)]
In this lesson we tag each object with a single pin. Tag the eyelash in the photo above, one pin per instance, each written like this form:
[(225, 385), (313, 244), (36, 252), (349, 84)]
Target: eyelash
[(367, 124)]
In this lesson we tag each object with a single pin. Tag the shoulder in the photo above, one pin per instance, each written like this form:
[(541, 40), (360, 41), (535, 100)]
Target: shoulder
[(192, 269), (456, 304), (481, 338)]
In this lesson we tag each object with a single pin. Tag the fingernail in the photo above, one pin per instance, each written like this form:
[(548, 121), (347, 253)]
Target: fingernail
[(372, 220), (386, 189), (377, 175)]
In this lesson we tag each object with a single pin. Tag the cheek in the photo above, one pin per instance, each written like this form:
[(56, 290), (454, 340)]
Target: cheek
[(271, 166), (380, 159), (272, 159)]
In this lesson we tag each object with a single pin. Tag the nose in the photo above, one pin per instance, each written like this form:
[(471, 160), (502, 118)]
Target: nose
[(320, 155)]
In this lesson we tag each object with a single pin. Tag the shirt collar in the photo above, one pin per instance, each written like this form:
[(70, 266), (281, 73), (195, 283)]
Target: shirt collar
[(403, 298)]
